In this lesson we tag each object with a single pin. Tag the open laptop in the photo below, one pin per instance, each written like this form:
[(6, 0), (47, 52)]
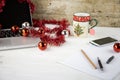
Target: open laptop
[(15, 13)]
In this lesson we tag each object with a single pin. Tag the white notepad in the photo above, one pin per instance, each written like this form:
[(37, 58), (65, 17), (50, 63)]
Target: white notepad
[(79, 62)]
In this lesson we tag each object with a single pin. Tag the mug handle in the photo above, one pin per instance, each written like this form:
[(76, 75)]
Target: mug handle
[(91, 23)]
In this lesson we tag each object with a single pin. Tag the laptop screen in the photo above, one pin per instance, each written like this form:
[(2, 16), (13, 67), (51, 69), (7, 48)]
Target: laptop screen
[(15, 13)]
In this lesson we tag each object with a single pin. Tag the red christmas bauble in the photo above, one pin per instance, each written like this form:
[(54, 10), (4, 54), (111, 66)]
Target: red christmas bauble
[(41, 32), (42, 45), (15, 28), (116, 47), (25, 32)]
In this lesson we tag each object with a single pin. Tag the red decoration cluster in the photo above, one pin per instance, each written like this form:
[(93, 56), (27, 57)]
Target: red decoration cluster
[(56, 41)]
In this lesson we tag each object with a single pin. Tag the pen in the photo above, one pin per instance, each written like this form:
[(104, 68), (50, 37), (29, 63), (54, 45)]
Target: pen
[(100, 64), (110, 59)]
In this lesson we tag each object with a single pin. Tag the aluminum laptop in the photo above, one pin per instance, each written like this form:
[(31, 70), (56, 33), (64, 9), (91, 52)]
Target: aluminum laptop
[(15, 13)]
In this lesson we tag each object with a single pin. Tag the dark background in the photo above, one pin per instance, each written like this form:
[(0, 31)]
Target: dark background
[(15, 13)]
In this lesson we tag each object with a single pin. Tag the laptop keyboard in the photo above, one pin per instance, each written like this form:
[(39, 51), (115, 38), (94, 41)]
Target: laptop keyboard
[(8, 33)]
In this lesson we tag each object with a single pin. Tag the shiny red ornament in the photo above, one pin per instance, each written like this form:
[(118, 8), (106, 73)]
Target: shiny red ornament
[(42, 45), (15, 28), (41, 31), (25, 32), (116, 47)]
